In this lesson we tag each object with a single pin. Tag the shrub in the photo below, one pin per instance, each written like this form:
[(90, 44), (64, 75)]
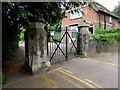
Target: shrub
[(107, 36)]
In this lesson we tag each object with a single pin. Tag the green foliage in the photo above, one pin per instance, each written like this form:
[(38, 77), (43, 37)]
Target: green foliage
[(9, 49), (22, 34), (54, 26), (75, 54), (108, 31), (13, 20), (98, 27), (82, 56), (19, 14), (117, 11), (107, 36), (22, 37)]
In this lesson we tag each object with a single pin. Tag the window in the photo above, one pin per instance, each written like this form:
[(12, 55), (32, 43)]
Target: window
[(110, 19), (74, 35), (73, 28), (74, 31), (75, 15)]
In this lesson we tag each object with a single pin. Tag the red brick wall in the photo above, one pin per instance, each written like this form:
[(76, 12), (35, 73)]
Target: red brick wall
[(90, 16), (115, 22), (67, 21)]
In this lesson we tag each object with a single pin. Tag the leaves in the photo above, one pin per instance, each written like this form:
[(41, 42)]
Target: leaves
[(108, 31), (19, 14), (107, 36), (117, 10)]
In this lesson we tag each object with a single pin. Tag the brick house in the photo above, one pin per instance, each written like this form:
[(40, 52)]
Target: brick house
[(98, 15)]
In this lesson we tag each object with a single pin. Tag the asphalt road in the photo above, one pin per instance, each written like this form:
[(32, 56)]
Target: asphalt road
[(100, 71)]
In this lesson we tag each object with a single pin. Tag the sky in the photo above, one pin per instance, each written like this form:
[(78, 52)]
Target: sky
[(109, 4)]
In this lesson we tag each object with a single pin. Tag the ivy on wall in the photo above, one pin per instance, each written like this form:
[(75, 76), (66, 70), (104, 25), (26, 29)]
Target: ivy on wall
[(107, 36)]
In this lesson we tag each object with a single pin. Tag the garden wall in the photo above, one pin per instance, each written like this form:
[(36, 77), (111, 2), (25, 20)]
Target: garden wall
[(95, 47), (111, 47), (92, 47)]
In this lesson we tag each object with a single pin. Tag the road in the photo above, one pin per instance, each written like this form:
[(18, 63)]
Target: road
[(100, 71)]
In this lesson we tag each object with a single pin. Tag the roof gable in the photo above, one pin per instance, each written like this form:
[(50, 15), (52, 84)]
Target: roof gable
[(100, 8)]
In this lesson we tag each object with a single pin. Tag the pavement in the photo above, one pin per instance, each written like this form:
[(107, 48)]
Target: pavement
[(100, 71)]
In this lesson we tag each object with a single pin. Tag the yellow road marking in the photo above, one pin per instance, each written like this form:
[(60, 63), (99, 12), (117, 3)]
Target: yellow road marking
[(93, 83), (82, 78), (69, 74), (76, 78), (66, 70), (101, 62), (61, 70), (65, 76)]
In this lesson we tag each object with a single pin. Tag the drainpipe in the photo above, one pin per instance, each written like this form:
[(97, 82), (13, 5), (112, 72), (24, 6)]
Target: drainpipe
[(104, 21)]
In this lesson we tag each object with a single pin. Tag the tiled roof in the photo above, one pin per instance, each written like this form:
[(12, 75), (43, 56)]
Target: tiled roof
[(100, 8)]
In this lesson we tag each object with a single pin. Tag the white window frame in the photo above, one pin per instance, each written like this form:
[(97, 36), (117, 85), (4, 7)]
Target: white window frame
[(73, 29), (110, 19), (75, 15)]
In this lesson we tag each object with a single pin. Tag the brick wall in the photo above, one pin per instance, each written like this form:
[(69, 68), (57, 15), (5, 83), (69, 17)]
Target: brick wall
[(88, 15), (91, 16), (67, 21)]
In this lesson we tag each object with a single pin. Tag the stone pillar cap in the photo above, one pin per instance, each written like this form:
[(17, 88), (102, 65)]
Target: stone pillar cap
[(82, 24)]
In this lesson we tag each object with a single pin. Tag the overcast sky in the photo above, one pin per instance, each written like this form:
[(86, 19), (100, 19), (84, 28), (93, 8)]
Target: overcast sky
[(109, 4)]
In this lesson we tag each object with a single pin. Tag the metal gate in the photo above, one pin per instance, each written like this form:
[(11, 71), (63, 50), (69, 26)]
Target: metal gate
[(60, 45)]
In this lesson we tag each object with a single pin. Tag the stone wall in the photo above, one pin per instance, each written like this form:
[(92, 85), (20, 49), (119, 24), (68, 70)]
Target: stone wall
[(92, 47), (111, 47), (88, 45), (95, 47)]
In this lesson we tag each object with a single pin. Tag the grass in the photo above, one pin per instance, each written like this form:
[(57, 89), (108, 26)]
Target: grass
[(75, 54), (82, 56)]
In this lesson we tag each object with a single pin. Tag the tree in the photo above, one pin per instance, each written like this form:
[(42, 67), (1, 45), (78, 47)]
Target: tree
[(13, 18), (117, 11), (19, 14)]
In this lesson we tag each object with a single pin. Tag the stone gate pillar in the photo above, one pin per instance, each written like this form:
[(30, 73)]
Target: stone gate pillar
[(83, 38), (37, 46)]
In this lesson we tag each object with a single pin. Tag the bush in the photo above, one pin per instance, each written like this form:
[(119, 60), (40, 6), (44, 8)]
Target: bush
[(108, 31), (107, 36)]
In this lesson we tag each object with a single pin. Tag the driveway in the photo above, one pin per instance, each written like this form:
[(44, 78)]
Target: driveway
[(100, 71)]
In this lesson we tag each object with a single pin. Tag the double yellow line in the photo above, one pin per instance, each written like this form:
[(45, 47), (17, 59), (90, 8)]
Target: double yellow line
[(87, 82), (100, 61)]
